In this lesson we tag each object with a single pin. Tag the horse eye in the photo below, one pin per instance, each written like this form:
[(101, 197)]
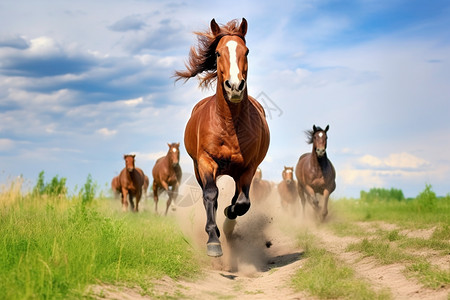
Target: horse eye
[(217, 54)]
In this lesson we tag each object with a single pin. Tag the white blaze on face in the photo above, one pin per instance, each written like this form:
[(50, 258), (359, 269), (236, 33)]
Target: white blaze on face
[(288, 171), (234, 69), (174, 149), (320, 134)]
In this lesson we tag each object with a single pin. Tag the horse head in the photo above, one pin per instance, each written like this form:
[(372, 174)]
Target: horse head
[(174, 154), (231, 61), (129, 162), (319, 140), (288, 174)]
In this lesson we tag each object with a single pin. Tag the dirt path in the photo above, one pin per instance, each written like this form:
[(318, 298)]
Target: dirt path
[(262, 257)]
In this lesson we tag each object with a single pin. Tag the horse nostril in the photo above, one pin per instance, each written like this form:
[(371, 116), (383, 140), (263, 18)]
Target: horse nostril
[(227, 83), (241, 85)]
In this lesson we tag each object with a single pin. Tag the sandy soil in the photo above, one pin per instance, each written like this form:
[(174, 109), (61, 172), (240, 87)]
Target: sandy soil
[(262, 256)]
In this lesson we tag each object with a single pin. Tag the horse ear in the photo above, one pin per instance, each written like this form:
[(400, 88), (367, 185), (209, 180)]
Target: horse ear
[(314, 128), (178, 144), (215, 28), (326, 128), (134, 155), (243, 27)]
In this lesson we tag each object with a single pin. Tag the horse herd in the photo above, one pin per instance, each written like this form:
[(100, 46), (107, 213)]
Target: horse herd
[(227, 134)]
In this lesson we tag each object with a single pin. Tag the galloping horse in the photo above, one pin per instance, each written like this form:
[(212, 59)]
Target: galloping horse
[(227, 133), (287, 189), (315, 173), (167, 175), (259, 189), (131, 180)]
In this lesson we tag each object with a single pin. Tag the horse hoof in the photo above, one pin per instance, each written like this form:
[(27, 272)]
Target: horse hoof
[(229, 215), (214, 249)]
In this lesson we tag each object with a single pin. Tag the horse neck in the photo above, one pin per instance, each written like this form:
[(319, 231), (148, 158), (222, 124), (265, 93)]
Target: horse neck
[(227, 111), (319, 162)]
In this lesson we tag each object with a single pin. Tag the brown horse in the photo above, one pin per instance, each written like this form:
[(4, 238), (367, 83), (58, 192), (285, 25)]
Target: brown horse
[(259, 189), (115, 186), (167, 175), (131, 180), (227, 133), (287, 189), (145, 186), (315, 173)]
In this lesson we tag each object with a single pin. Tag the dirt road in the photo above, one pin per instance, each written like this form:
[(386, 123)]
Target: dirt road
[(263, 255)]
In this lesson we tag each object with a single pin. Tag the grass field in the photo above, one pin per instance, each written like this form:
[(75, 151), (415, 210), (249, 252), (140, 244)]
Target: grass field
[(55, 247), (326, 276)]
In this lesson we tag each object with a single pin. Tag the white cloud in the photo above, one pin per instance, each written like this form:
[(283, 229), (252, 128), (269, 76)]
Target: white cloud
[(106, 132), (402, 160), (133, 102)]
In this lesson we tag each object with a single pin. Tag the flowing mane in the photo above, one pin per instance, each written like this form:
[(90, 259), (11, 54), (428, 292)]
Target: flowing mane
[(310, 134), (203, 59)]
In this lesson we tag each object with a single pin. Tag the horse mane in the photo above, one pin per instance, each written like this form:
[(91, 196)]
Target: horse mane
[(310, 134), (203, 59)]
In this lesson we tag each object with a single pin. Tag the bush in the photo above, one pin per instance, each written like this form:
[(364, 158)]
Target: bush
[(56, 188), (88, 191), (381, 194), (427, 199)]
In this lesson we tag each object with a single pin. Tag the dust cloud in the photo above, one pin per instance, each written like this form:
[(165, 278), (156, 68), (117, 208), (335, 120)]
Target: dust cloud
[(265, 232)]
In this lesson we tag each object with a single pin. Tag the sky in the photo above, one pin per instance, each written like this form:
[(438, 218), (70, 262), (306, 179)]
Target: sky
[(84, 82)]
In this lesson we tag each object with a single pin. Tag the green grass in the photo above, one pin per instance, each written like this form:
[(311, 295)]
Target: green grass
[(56, 247), (324, 276), (412, 213)]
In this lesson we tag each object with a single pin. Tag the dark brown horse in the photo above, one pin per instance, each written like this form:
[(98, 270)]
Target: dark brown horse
[(260, 189), (287, 189), (167, 175), (227, 133), (315, 173), (131, 180)]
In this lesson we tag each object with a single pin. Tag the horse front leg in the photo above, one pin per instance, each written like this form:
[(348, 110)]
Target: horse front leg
[(173, 193), (131, 201), (155, 195), (324, 213), (138, 199), (311, 196), (229, 224), (240, 203), (124, 199), (210, 194)]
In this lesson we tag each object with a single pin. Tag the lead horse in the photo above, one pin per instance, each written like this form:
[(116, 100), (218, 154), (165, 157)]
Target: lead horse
[(227, 133), (315, 172)]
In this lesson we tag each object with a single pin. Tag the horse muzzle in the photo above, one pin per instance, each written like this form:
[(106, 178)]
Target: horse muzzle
[(235, 91), (320, 152), (130, 169)]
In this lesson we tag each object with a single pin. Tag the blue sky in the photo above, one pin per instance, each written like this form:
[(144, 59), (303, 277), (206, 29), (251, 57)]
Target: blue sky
[(84, 82)]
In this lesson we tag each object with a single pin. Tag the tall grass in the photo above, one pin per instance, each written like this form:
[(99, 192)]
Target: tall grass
[(54, 247), (423, 211)]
